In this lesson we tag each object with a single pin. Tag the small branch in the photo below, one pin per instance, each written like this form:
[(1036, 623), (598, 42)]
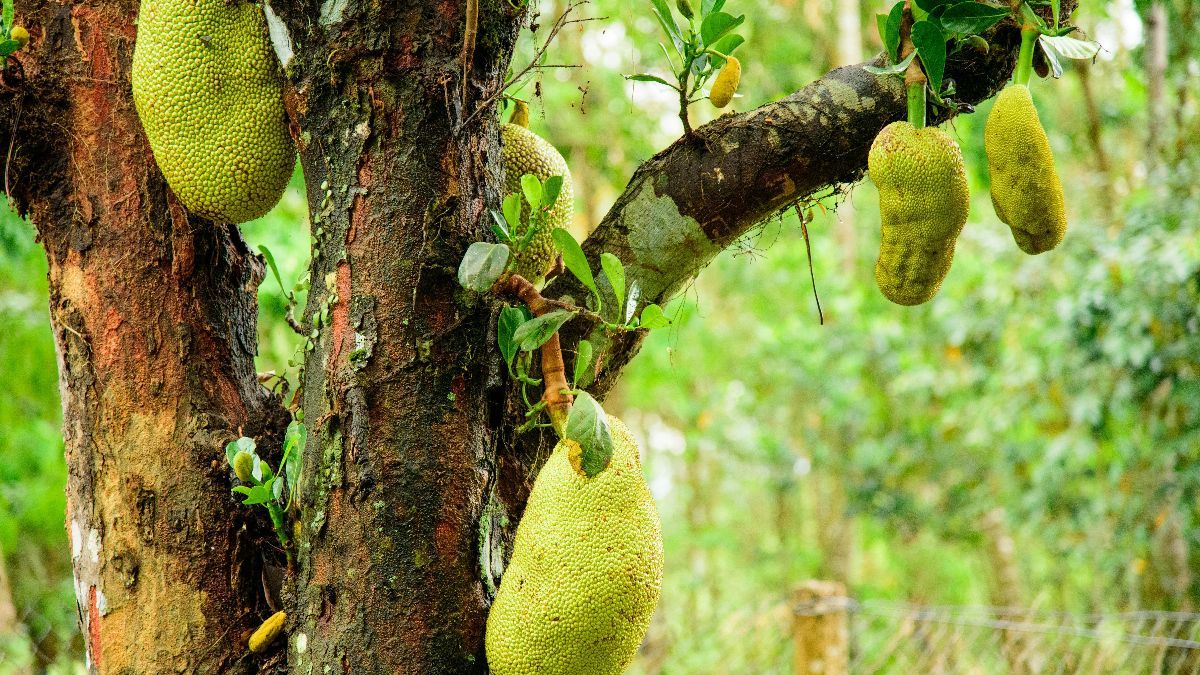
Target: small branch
[(683, 111), (296, 326), (468, 50), (554, 371), (559, 24)]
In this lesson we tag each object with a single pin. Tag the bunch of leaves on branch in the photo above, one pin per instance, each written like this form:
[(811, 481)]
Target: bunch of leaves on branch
[(703, 47), (920, 173), (263, 486)]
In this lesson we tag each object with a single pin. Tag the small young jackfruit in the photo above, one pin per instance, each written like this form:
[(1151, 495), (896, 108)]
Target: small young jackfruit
[(209, 92), (267, 632), (1026, 191), (923, 204), (585, 573), (726, 83), (243, 466), (526, 152), (19, 34)]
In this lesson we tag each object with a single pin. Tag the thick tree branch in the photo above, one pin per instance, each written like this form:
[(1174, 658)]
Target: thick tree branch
[(690, 201)]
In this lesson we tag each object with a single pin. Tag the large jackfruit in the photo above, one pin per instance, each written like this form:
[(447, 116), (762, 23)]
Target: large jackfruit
[(585, 573), (526, 152), (923, 204), (1026, 191), (209, 92)]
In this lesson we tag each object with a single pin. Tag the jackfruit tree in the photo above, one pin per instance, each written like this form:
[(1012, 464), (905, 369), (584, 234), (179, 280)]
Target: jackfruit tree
[(389, 521)]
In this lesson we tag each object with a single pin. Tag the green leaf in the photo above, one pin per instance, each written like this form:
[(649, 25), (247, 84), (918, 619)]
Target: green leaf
[(482, 265), (294, 440), (506, 326), (500, 226), (653, 317), (716, 25), (535, 332), (587, 425), (1031, 16), (9, 13), (646, 77), (930, 5), (258, 494), (729, 43), (894, 69), (266, 253), (1055, 10), (709, 6), (615, 271), (574, 259), (930, 42), (8, 47), (583, 359), (532, 187), (970, 18), (550, 190), (512, 211), (667, 21), (891, 38)]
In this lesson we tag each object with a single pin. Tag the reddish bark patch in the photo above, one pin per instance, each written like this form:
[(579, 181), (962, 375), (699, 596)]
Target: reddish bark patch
[(341, 335), (94, 629)]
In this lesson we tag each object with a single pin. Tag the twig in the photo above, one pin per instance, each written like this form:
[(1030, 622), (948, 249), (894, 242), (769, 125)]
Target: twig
[(554, 371), (468, 50), (559, 24)]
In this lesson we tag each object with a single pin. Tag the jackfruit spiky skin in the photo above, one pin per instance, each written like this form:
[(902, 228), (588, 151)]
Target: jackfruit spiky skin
[(586, 570), (209, 92), (526, 152), (1026, 191), (923, 204)]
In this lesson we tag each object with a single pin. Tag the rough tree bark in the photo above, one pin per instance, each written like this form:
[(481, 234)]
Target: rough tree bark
[(411, 442)]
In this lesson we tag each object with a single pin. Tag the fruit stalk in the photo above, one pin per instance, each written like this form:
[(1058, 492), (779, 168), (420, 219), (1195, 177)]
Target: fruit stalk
[(1029, 36), (557, 394), (914, 76)]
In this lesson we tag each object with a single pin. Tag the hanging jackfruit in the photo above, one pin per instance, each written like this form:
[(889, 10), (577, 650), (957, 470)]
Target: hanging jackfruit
[(727, 82), (1026, 191), (585, 573), (526, 152), (923, 204), (209, 92)]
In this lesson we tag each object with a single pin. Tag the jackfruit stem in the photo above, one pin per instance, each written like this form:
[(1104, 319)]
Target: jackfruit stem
[(554, 371), (916, 104), (914, 75), (1024, 69)]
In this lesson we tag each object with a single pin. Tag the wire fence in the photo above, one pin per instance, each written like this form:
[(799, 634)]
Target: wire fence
[(31, 645), (888, 637)]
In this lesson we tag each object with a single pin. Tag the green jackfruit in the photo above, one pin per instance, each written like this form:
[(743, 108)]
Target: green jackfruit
[(585, 573), (209, 92), (526, 152), (923, 204), (1026, 191)]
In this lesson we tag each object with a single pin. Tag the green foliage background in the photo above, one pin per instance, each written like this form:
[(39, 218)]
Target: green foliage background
[(1063, 389)]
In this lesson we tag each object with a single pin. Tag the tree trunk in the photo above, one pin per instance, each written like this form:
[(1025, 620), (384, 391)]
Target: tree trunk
[(413, 479), (154, 316), (402, 394), (1156, 72)]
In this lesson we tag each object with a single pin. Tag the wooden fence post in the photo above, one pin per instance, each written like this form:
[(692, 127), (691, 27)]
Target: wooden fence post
[(821, 628)]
